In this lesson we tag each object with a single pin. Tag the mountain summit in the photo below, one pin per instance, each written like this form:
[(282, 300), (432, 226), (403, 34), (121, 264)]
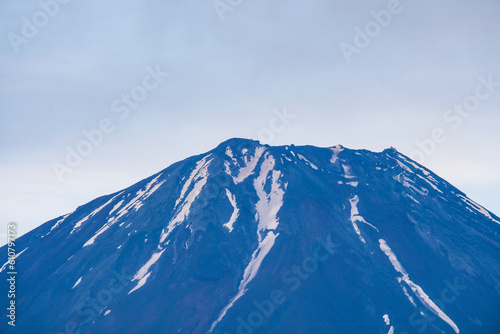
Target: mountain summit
[(250, 238)]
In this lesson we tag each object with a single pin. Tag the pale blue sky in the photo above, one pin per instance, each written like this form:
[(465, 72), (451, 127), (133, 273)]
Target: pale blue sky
[(225, 79)]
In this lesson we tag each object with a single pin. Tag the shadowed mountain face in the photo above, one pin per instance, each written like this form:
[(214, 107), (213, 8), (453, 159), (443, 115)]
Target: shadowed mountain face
[(257, 239)]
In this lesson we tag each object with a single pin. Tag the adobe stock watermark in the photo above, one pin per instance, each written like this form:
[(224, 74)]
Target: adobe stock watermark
[(372, 29), (121, 108), (454, 118), (31, 26), (11, 273), (292, 278), (447, 296), (277, 124), (222, 7)]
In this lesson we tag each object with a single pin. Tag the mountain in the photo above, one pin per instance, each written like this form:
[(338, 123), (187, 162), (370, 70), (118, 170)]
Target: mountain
[(250, 238)]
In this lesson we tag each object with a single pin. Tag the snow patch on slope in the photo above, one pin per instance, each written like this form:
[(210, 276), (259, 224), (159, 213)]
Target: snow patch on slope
[(417, 167), (199, 178), (15, 257), (93, 213), (477, 208), (194, 176), (417, 290), (433, 186), (250, 271), (142, 275), (269, 204), (117, 206), (313, 166), (353, 202), (336, 150), (135, 204), (410, 298), (405, 181), (348, 172), (229, 153), (356, 217), (267, 209), (77, 282), (349, 176), (235, 213), (428, 178), (248, 169), (58, 223)]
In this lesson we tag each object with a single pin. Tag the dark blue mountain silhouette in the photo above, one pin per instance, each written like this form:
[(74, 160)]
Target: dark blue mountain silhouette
[(257, 239)]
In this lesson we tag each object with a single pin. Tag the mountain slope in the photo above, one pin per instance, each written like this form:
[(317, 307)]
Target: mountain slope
[(257, 239)]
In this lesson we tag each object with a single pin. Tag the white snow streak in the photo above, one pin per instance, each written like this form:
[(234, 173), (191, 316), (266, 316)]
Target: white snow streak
[(426, 173), (267, 209), (117, 206), (140, 284), (143, 195), (58, 223), (142, 275), (428, 178), (433, 186), (250, 272), (354, 213), (268, 204), (336, 150), (356, 217), (77, 282), (194, 174), (391, 330), (15, 257), (417, 290), (199, 177), (93, 213), (107, 312), (313, 166), (405, 181), (229, 153), (135, 204), (411, 197), (410, 298), (235, 213), (142, 272), (248, 170), (477, 207), (348, 172), (349, 176)]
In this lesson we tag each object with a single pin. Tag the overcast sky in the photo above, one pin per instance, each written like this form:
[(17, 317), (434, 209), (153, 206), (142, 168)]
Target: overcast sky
[(364, 74)]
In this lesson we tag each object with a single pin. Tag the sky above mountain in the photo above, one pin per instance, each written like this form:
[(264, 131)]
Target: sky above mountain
[(132, 87)]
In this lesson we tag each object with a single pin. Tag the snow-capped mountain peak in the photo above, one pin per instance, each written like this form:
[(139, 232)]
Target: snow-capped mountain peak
[(251, 238)]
